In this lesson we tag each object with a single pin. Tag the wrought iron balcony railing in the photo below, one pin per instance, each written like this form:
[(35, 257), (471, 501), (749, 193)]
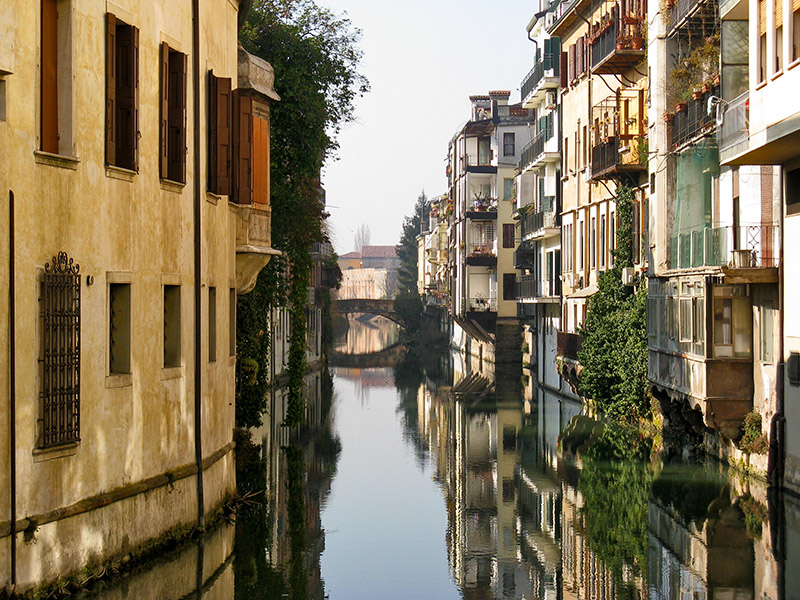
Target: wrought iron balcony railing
[(693, 120), (529, 287)]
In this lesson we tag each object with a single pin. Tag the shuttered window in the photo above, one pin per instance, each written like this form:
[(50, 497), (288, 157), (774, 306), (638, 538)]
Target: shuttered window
[(122, 102), (571, 65), (508, 235), (172, 129), (49, 83), (242, 148), (260, 160), (563, 71), (219, 135)]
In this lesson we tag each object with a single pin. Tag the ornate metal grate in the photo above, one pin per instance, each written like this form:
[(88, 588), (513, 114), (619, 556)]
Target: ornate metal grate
[(61, 363)]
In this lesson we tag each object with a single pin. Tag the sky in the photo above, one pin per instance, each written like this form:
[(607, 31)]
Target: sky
[(423, 60)]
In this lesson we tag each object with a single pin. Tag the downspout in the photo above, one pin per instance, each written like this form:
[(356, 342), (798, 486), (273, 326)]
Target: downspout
[(776, 468), (198, 304), (12, 363)]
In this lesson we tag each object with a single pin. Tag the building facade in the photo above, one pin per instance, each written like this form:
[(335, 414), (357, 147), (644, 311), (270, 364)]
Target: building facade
[(135, 143)]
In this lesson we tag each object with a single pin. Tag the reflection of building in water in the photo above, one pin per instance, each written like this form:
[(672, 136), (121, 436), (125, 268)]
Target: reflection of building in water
[(367, 334)]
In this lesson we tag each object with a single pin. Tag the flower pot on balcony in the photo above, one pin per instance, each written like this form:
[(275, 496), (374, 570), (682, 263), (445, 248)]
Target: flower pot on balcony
[(706, 87), (697, 94), (668, 116), (628, 20), (637, 42), (680, 107)]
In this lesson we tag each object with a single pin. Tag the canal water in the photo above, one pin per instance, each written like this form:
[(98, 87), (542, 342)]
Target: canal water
[(434, 477)]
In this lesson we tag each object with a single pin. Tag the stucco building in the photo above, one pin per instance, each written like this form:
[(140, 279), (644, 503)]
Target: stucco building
[(135, 144)]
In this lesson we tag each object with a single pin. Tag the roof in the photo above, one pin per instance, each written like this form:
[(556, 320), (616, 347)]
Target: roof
[(350, 255), (378, 252)]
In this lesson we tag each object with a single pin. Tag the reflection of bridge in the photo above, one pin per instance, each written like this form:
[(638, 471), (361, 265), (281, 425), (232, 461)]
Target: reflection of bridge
[(388, 357), (384, 308)]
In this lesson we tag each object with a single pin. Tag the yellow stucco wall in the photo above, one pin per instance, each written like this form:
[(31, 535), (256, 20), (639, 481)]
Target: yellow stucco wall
[(119, 227)]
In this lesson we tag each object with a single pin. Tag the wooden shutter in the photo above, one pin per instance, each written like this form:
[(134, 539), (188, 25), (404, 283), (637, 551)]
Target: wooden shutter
[(134, 85), (762, 17), (260, 160), (111, 89), (579, 57), (548, 54), (219, 129), (243, 148), (164, 114), (778, 14), (176, 121), (563, 71), (508, 235), (49, 89), (571, 65), (127, 101)]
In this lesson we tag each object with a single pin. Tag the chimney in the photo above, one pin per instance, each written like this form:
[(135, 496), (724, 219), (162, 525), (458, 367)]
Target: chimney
[(500, 96)]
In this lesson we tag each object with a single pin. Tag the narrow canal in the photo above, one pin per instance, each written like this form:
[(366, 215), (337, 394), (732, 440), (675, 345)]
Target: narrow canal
[(433, 478)]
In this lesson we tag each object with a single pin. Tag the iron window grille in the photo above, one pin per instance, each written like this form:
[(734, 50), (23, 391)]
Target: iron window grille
[(61, 362)]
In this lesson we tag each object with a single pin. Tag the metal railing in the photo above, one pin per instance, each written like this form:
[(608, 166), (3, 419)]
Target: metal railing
[(530, 286), (478, 160), (743, 246), (604, 44), (694, 120), (535, 148), (532, 79), (533, 222), (735, 127), (481, 304)]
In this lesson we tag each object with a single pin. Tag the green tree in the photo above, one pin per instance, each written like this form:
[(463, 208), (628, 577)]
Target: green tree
[(315, 56), (407, 249), (614, 352)]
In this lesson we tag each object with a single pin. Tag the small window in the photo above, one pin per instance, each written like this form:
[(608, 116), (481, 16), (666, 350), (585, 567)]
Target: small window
[(232, 323), (172, 326), (593, 243), (172, 131), (793, 368), (122, 93), (119, 329), (508, 144), (508, 189), (508, 235), (509, 286), (778, 35), (767, 335), (792, 192), (212, 324)]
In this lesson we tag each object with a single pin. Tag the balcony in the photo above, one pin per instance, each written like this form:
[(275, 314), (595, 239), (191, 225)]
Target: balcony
[(535, 153), (735, 127), (693, 120), (479, 304), (568, 345), (483, 209), (618, 45), (479, 163), (524, 255), (543, 76), (253, 239), (541, 224), (532, 289), (747, 253), (693, 15), (619, 135)]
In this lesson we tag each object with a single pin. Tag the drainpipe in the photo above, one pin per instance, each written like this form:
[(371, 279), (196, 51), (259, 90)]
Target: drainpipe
[(776, 468), (12, 386), (198, 308)]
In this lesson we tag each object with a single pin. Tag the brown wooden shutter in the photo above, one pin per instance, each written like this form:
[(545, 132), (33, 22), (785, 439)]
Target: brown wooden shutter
[(49, 90), (563, 71), (176, 120), (579, 57), (127, 105), (571, 65), (243, 148), (260, 160), (111, 89), (219, 132), (164, 113), (508, 235), (778, 13), (762, 17), (135, 97)]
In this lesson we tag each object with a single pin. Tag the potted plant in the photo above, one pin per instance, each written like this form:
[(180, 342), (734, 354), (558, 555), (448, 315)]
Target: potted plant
[(680, 106), (637, 41), (697, 94)]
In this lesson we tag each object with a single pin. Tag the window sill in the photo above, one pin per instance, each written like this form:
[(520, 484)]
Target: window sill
[(761, 84), (775, 75), (45, 454), (793, 64), (118, 380), (212, 198), (172, 186), (120, 173), (172, 372), (56, 160)]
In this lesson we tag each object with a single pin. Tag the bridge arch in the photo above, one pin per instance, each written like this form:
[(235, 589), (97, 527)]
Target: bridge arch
[(383, 308)]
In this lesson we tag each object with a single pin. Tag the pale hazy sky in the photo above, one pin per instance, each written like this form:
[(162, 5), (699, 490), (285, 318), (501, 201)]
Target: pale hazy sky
[(423, 59)]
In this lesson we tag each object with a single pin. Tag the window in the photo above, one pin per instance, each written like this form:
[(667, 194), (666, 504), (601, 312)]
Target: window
[(612, 234), (172, 326), (566, 154), (56, 78), (508, 144), (778, 35), (636, 236), (212, 324), (585, 146), (60, 304), (172, 131), (509, 285), (484, 151), (732, 322), (508, 235), (119, 328), (578, 147), (602, 241), (766, 352), (686, 320), (508, 189), (232, 323), (795, 29), (219, 135), (793, 368), (792, 192), (122, 104), (593, 244), (762, 40), (581, 249)]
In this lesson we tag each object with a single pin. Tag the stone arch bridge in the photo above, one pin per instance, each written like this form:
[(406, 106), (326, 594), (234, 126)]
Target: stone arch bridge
[(384, 308)]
